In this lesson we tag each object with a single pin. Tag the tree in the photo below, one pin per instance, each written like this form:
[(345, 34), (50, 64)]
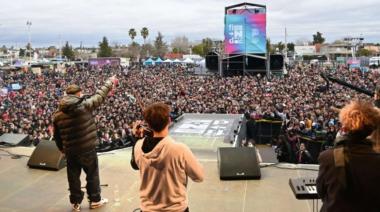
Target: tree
[(290, 47), (104, 48), (144, 33), (4, 49), (160, 47), (146, 50), (364, 52), (28, 46), (280, 46), (317, 38), (134, 51), (29, 50), (132, 33), (22, 53), (270, 50), (175, 50), (198, 49), (180, 44), (68, 51), (207, 45)]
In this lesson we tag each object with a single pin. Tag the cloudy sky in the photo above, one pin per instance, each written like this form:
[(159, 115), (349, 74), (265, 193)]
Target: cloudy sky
[(89, 20)]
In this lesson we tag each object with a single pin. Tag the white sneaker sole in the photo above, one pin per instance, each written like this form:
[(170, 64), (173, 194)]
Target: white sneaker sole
[(98, 205)]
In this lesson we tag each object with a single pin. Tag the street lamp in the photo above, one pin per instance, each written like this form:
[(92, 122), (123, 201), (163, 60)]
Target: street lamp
[(29, 24)]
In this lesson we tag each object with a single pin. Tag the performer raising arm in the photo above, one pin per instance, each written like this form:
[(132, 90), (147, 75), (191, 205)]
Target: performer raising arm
[(75, 136)]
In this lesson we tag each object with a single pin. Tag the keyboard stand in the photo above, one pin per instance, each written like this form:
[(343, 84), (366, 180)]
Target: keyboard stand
[(305, 189)]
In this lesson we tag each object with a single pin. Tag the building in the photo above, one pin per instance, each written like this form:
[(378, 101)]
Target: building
[(374, 49), (329, 51), (305, 50), (333, 51)]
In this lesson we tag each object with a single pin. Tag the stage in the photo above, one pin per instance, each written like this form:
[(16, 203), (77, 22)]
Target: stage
[(25, 189)]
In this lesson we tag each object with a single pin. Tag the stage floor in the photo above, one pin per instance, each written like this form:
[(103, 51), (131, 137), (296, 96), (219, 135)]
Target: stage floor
[(24, 189)]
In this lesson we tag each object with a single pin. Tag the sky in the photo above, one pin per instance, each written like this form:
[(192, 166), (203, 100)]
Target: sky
[(87, 21)]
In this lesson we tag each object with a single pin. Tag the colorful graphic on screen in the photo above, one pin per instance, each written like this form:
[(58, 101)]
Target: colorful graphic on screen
[(245, 31)]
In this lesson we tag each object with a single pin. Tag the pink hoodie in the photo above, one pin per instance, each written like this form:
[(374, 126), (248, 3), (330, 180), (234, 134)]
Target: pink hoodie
[(164, 173)]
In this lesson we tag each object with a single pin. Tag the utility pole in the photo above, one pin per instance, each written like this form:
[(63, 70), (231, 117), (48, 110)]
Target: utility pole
[(286, 51), (29, 24)]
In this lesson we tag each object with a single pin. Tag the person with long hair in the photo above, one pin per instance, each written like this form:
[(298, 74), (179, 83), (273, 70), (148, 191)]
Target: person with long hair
[(349, 173)]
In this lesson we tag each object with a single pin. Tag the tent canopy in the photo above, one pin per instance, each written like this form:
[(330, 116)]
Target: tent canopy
[(168, 61), (202, 63), (149, 62), (176, 61), (158, 61), (188, 60)]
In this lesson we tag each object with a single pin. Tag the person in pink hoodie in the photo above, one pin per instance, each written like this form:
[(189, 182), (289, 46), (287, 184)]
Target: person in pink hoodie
[(164, 165)]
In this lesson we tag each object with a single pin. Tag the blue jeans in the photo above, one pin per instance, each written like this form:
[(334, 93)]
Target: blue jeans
[(89, 163)]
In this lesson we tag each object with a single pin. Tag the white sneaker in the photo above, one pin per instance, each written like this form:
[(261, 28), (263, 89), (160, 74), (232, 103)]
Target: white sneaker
[(76, 207), (102, 202)]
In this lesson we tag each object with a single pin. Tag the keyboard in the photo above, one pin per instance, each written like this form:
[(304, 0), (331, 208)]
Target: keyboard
[(304, 188)]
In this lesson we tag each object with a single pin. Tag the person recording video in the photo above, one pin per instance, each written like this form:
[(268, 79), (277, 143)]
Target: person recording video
[(164, 164)]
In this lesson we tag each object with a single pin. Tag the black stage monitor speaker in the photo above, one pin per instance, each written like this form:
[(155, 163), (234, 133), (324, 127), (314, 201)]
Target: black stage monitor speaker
[(238, 163), (11, 139), (47, 156)]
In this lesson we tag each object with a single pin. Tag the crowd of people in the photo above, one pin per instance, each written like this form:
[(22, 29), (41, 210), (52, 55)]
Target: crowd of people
[(297, 98)]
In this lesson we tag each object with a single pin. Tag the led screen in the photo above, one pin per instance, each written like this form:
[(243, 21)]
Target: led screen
[(245, 31)]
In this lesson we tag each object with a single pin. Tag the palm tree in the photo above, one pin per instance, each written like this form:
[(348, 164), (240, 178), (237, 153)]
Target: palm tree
[(132, 33), (144, 33)]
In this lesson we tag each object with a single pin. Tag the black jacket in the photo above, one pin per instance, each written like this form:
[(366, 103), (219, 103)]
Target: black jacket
[(361, 173), (74, 124), (304, 157)]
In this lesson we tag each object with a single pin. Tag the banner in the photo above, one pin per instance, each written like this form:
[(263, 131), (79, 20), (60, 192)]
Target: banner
[(245, 32)]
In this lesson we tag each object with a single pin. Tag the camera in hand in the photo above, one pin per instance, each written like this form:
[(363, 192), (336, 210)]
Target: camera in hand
[(146, 131)]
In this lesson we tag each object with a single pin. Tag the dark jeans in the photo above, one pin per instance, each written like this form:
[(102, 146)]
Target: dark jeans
[(89, 163)]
